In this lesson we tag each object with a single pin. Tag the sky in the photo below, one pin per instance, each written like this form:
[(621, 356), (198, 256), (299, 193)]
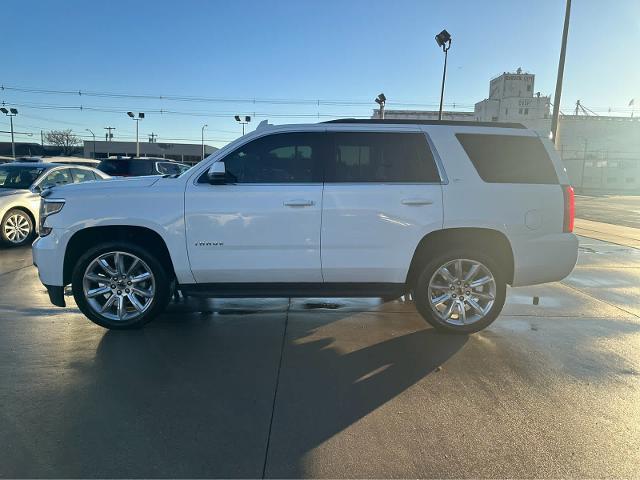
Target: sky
[(312, 60)]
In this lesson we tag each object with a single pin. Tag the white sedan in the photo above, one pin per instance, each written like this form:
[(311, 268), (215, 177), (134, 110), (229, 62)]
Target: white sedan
[(20, 188)]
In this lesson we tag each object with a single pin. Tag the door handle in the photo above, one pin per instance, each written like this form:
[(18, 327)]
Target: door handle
[(416, 201), (299, 203)]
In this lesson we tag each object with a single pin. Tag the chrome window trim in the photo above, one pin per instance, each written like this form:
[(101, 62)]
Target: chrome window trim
[(444, 180)]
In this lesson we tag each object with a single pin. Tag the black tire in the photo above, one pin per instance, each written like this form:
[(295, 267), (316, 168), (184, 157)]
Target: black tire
[(25, 217), (420, 293), (162, 285)]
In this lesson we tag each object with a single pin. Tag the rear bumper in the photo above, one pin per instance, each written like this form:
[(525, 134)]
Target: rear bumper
[(548, 258)]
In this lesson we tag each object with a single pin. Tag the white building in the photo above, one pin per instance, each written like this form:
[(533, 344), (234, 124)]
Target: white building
[(512, 99)]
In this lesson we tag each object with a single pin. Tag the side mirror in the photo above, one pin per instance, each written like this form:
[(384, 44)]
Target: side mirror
[(217, 173)]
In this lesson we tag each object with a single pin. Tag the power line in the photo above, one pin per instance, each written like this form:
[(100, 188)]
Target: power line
[(188, 98)]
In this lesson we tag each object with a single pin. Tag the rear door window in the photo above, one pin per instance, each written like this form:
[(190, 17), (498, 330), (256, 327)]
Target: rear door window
[(509, 158), (142, 167), (381, 157)]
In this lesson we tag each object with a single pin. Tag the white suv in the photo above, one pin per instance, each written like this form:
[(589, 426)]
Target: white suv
[(450, 211)]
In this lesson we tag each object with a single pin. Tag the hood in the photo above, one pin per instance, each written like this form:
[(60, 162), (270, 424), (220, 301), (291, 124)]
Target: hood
[(106, 185), (5, 192)]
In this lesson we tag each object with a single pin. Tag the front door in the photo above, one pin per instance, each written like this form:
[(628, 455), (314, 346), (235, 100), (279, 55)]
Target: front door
[(263, 223)]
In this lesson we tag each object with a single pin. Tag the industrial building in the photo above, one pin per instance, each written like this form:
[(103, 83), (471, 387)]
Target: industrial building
[(190, 153), (601, 153)]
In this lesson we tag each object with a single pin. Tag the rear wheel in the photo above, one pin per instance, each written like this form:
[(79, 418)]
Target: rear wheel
[(119, 285), (17, 228), (460, 292)]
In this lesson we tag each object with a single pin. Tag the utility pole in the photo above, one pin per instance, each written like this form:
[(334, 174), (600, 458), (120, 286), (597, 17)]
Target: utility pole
[(203, 127), (152, 137), (108, 136), (584, 161), (12, 112), (558, 94), (42, 138)]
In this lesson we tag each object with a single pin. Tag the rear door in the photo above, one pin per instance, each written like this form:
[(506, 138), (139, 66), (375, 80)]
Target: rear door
[(382, 195)]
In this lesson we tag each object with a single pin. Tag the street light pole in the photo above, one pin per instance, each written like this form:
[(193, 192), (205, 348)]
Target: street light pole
[(12, 112), (203, 127), (443, 39), (140, 117), (13, 142), (94, 141), (558, 94), (381, 100), (243, 121)]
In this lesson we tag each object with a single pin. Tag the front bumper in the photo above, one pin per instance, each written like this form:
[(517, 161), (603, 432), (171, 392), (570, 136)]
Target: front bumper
[(56, 295), (48, 256)]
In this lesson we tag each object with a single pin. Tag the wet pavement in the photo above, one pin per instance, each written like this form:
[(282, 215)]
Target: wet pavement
[(327, 388), (613, 209)]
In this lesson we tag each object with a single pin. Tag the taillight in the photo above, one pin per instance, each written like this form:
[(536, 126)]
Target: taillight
[(569, 208)]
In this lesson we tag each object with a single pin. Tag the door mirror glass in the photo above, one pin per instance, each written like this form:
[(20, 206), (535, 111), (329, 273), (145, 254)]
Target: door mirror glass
[(217, 173)]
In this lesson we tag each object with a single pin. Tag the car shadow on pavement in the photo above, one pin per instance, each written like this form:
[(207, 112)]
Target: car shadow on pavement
[(194, 397), (322, 391)]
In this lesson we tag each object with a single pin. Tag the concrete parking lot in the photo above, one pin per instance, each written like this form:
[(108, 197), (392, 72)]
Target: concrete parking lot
[(338, 388), (612, 209)]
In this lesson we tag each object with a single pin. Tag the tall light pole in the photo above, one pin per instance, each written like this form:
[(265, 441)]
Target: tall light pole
[(558, 95), (137, 119), (202, 131), (243, 120), (443, 39), (94, 141), (381, 100), (12, 112)]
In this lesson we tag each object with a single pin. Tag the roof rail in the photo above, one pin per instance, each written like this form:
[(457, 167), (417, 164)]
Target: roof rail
[(458, 123), (263, 124)]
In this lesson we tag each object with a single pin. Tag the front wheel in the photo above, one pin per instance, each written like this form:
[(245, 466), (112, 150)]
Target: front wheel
[(17, 228), (119, 285), (460, 292)]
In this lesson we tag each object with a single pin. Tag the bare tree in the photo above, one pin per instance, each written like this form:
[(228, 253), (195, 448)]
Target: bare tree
[(63, 139)]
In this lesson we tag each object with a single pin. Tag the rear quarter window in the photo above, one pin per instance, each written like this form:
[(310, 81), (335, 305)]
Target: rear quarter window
[(509, 158), (114, 167)]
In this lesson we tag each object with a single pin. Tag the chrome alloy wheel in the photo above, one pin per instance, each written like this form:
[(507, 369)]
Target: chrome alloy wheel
[(17, 228), (119, 286), (462, 291)]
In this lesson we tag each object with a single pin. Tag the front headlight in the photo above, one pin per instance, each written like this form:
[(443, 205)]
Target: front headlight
[(48, 207)]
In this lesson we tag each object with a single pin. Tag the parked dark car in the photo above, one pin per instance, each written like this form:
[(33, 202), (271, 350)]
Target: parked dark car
[(138, 167)]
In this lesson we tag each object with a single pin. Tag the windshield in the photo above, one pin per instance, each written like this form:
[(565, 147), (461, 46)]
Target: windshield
[(21, 177)]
